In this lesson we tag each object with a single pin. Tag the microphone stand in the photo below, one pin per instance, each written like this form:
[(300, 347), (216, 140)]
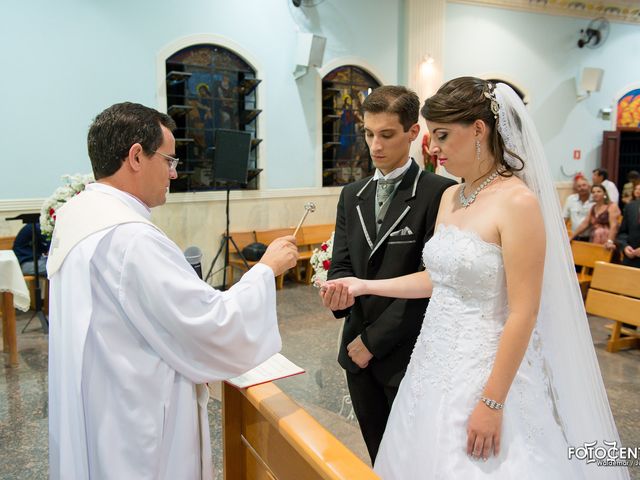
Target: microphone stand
[(33, 219)]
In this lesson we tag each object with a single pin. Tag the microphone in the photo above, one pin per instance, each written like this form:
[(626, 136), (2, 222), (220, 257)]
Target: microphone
[(194, 257)]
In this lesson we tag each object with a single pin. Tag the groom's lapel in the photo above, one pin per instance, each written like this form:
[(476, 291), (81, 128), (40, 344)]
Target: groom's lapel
[(365, 210), (400, 205)]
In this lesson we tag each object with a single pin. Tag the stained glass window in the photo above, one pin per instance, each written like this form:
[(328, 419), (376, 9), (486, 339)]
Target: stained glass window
[(209, 87), (345, 156)]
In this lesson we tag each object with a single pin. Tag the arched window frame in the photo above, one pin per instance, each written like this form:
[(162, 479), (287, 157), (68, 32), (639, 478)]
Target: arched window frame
[(616, 98), (215, 40), (323, 72)]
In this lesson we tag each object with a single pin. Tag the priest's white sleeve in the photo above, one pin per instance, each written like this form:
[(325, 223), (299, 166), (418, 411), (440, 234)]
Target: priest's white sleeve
[(201, 332)]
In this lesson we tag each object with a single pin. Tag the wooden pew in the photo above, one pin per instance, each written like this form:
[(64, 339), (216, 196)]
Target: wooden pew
[(615, 294), (266, 435), (585, 255), (308, 238), (6, 243), (243, 239)]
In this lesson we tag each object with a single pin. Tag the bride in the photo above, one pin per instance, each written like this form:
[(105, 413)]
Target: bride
[(503, 379)]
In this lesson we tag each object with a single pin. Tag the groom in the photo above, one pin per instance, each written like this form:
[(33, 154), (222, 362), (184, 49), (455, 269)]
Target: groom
[(382, 225)]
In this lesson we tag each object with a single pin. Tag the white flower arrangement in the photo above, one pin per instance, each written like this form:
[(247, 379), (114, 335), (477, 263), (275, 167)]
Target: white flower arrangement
[(321, 261), (73, 185)]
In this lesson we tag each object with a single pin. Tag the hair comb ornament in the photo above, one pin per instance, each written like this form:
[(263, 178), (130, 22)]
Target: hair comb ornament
[(491, 95), (504, 126)]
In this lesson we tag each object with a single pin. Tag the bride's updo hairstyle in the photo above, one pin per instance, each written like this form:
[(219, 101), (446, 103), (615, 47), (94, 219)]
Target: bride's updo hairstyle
[(465, 100)]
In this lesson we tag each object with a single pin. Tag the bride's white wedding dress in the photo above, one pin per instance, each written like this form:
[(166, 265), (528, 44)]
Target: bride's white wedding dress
[(426, 433), (557, 398)]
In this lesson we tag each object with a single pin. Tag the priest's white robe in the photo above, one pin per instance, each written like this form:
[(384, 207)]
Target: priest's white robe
[(134, 334)]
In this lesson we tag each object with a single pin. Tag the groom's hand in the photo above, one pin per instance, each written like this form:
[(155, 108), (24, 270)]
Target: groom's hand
[(336, 296), (359, 353)]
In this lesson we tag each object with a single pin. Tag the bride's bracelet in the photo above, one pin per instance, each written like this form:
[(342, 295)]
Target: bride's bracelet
[(492, 404)]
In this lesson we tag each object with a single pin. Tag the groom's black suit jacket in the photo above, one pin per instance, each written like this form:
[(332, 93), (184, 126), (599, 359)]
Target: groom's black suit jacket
[(389, 327)]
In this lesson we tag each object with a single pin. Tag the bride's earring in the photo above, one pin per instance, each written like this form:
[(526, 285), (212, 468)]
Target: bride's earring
[(478, 150)]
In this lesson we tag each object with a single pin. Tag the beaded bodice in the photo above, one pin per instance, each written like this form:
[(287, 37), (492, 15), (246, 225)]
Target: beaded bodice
[(464, 268), (466, 313), (465, 317)]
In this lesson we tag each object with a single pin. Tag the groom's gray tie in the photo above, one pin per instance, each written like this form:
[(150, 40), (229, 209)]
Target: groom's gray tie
[(384, 193), (384, 190)]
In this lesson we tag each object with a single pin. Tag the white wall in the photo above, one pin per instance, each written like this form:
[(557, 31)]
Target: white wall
[(65, 61), (540, 53)]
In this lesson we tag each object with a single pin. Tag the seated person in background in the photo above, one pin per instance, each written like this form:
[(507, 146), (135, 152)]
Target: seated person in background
[(603, 219), (635, 194), (600, 176), (578, 205), (23, 248), (629, 235), (633, 180)]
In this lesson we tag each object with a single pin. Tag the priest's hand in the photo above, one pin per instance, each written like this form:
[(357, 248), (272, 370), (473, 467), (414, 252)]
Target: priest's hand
[(359, 353), (281, 255)]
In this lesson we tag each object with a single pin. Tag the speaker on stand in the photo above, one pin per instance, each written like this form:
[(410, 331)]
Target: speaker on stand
[(231, 168)]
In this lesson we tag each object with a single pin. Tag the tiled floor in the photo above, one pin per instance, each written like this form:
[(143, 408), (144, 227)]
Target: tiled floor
[(310, 336)]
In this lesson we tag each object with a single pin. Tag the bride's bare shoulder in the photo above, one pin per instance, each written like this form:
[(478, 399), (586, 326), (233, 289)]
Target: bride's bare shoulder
[(449, 194), (515, 191), (518, 202), (451, 189)]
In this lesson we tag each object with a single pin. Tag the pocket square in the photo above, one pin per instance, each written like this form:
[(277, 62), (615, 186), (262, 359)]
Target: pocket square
[(404, 231)]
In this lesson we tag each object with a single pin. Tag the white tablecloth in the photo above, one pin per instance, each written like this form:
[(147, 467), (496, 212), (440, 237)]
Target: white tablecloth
[(12, 280)]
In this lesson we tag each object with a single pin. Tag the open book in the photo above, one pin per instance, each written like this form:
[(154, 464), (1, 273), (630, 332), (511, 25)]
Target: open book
[(274, 368)]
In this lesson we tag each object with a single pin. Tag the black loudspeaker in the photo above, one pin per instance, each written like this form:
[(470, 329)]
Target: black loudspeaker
[(231, 157)]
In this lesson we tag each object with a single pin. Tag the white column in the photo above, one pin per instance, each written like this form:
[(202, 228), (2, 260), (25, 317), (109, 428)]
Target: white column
[(425, 37), (424, 23)]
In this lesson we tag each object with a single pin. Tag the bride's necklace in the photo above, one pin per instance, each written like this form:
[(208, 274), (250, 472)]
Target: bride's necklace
[(466, 201)]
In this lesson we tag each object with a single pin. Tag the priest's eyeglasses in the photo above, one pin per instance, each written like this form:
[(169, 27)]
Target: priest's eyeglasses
[(173, 162)]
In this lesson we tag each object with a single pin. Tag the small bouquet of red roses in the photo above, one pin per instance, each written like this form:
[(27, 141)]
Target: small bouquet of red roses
[(321, 261)]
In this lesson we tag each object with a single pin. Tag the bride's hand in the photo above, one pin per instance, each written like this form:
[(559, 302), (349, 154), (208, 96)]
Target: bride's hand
[(483, 432), (355, 285)]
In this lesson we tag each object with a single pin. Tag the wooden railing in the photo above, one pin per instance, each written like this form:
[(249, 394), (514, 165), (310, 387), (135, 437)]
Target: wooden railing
[(269, 436)]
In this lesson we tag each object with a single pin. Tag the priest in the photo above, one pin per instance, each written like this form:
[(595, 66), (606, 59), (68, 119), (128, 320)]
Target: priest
[(134, 333)]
